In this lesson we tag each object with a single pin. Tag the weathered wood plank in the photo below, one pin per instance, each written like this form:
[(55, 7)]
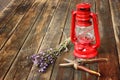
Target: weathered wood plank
[(52, 37), (30, 34), (8, 28), (9, 11), (109, 70), (115, 13), (63, 73), (32, 42), (14, 44), (3, 4)]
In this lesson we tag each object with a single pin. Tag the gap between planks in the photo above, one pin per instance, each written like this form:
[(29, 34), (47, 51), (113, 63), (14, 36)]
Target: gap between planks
[(13, 23), (25, 42), (47, 44), (114, 7)]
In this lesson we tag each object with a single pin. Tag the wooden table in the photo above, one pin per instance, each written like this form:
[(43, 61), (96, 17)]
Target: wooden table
[(28, 26)]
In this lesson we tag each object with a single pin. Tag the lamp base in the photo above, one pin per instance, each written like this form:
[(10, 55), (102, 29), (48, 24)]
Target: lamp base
[(85, 53)]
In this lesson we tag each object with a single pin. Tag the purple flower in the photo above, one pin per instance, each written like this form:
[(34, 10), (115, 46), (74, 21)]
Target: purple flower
[(41, 70), (45, 58)]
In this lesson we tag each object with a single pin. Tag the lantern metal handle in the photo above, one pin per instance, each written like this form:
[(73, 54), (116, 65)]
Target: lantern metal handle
[(96, 32), (73, 36)]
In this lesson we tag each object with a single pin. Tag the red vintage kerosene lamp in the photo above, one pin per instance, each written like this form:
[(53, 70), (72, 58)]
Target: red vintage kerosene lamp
[(84, 32)]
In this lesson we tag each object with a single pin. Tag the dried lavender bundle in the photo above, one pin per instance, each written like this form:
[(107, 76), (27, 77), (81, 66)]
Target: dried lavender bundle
[(45, 58)]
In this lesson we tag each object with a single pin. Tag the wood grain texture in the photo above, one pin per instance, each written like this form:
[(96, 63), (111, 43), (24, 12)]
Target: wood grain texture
[(11, 48), (33, 41), (9, 11), (3, 4), (22, 64), (52, 37), (29, 26), (7, 29), (115, 13), (109, 70), (63, 73)]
